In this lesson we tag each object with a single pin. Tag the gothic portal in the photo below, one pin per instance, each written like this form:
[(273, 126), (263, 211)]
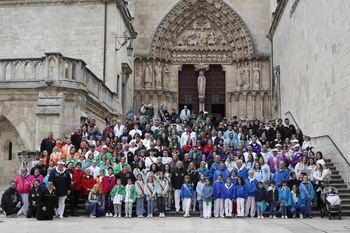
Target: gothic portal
[(202, 55)]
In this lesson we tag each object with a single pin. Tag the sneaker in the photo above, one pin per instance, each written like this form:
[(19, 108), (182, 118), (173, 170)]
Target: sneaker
[(294, 215), (258, 217), (201, 216), (92, 216), (110, 215), (107, 214), (238, 217), (130, 216), (186, 216), (177, 211), (242, 217), (301, 216), (282, 216), (262, 217), (319, 189), (270, 216), (115, 216), (274, 217), (310, 216), (160, 215), (141, 216), (285, 216), (119, 216), (61, 216), (148, 216), (151, 215), (126, 216)]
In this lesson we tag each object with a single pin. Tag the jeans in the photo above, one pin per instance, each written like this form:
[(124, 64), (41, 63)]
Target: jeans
[(161, 204), (300, 209), (150, 206), (169, 199), (260, 212), (284, 206), (307, 209), (94, 209), (200, 204), (108, 203), (272, 208), (139, 206)]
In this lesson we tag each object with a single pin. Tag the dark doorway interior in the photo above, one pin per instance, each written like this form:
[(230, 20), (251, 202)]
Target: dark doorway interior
[(218, 112)]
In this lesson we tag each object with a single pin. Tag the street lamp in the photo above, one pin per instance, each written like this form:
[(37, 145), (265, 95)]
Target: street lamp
[(129, 49)]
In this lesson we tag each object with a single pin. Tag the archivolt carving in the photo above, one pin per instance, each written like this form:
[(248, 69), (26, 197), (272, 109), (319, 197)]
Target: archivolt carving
[(207, 31)]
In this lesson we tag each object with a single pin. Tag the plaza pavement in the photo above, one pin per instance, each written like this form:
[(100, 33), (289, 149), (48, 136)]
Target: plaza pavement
[(173, 224)]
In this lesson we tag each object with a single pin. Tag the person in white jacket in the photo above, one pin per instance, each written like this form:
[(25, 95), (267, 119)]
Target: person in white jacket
[(325, 177), (302, 166)]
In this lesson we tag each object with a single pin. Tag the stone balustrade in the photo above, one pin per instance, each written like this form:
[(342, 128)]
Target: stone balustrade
[(54, 69)]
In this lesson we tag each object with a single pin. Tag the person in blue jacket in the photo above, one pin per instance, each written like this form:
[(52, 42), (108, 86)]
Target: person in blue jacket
[(283, 197), (215, 166), (307, 195), (282, 173), (227, 194), (187, 194), (252, 185), (295, 202), (240, 196), (240, 169), (218, 197), (223, 171)]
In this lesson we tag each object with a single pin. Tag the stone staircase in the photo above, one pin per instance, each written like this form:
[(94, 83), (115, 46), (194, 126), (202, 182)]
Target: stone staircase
[(336, 181)]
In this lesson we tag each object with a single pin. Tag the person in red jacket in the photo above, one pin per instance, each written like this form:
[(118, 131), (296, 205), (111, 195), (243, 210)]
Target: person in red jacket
[(24, 183), (88, 182), (108, 182), (207, 148), (77, 182)]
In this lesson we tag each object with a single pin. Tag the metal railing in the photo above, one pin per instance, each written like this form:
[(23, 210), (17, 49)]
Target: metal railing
[(322, 136)]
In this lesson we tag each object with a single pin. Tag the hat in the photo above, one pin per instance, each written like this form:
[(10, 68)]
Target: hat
[(295, 141), (224, 118), (105, 147), (61, 162), (274, 150), (297, 145), (278, 145)]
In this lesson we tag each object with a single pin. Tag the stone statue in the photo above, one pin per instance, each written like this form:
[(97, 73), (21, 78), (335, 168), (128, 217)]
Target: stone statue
[(239, 76), (139, 76), (246, 75), (256, 76), (148, 75), (158, 74), (166, 72), (201, 83)]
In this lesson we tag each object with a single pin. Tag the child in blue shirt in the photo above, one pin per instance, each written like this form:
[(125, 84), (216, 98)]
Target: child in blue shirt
[(207, 193), (240, 196), (283, 196), (187, 195), (227, 194), (218, 198)]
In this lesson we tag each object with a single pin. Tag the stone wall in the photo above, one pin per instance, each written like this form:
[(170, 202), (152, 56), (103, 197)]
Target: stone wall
[(312, 48)]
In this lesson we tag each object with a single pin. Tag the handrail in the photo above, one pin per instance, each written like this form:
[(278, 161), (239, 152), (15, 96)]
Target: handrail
[(293, 118), (335, 145), (323, 136)]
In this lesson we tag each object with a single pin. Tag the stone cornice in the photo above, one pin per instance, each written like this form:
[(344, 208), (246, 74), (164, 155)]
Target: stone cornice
[(281, 5), (49, 2)]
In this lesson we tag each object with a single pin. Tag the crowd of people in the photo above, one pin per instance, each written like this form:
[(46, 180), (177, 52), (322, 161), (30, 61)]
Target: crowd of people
[(235, 169)]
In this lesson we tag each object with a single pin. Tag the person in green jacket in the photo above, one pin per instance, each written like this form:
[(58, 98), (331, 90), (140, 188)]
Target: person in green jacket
[(103, 156), (117, 196), (129, 197), (120, 165)]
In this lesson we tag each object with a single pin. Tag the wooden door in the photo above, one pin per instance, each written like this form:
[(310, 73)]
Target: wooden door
[(188, 90)]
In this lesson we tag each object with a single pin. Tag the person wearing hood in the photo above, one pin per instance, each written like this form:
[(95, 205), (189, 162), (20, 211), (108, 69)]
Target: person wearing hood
[(281, 174), (24, 183), (62, 182), (240, 169), (252, 185), (11, 200), (223, 171)]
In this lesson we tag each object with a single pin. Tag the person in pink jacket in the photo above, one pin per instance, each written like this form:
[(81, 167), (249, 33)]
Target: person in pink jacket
[(24, 183)]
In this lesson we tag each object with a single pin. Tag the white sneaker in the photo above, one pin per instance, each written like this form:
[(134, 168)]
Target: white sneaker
[(262, 217), (119, 216), (274, 217), (130, 216), (258, 217), (294, 215), (148, 216), (160, 215), (92, 216), (282, 216), (151, 215), (285, 217), (301, 216), (107, 214), (115, 216), (110, 215), (270, 216), (141, 216), (61, 216)]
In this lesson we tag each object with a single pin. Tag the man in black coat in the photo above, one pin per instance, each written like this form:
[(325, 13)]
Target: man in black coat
[(177, 179), (11, 200), (48, 144), (62, 181), (288, 129), (125, 174), (33, 199), (42, 168), (76, 138), (47, 203)]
